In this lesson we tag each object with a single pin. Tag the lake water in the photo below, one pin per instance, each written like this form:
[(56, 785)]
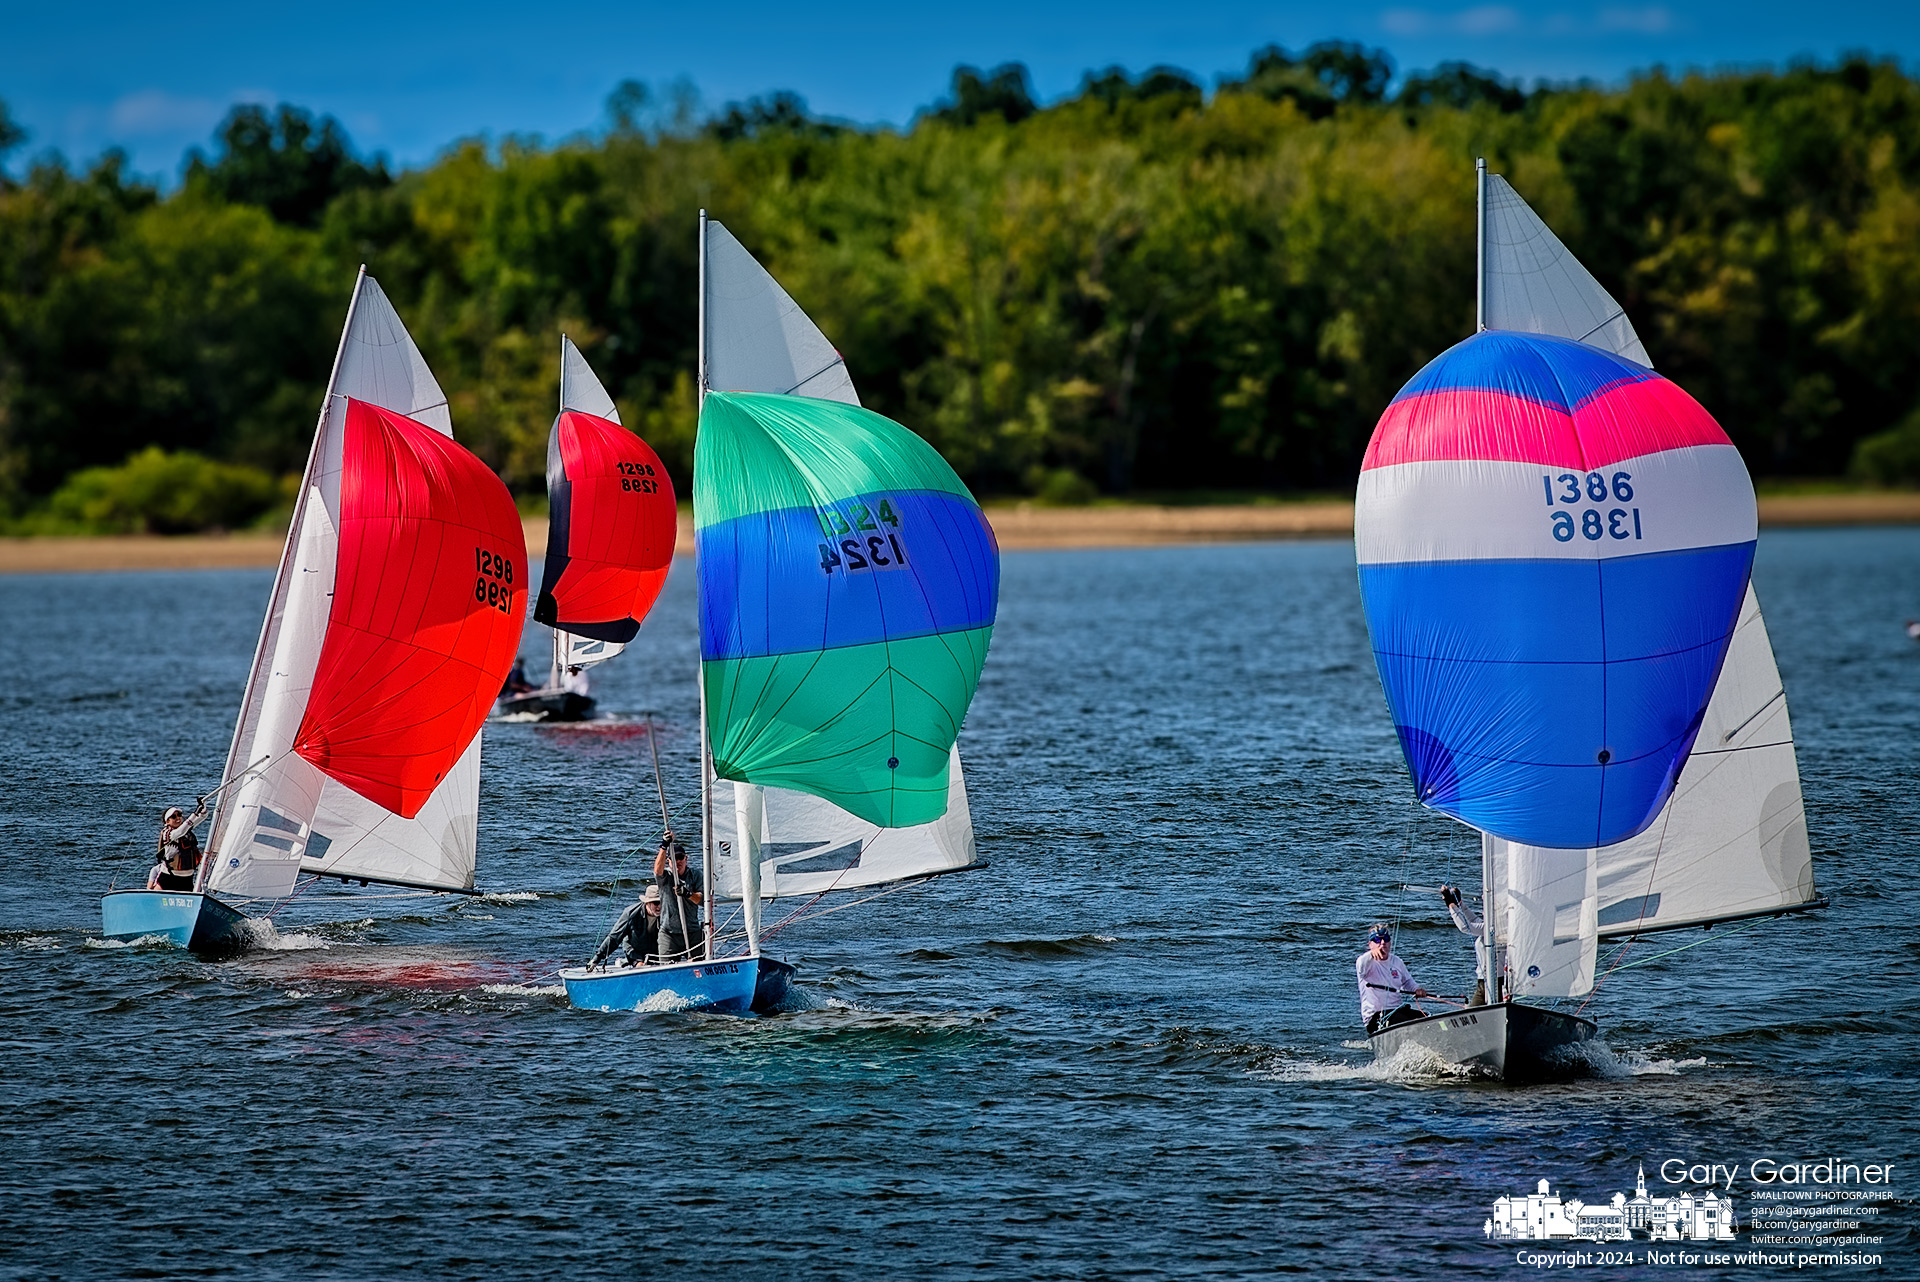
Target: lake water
[(1126, 1049)]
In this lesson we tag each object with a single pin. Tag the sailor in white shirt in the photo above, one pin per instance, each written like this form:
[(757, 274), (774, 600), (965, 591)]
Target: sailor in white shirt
[(1385, 983)]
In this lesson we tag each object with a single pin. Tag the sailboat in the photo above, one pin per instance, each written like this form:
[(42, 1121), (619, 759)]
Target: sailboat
[(609, 543), (1555, 548), (394, 618), (848, 585)]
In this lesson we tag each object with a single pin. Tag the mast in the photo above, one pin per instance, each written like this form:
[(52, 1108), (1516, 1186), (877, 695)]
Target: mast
[(1480, 244), (706, 759)]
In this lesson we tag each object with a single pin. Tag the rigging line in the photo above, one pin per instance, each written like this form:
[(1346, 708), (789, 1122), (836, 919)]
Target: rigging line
[(1711, 937), (902, 885), (1778, 695)]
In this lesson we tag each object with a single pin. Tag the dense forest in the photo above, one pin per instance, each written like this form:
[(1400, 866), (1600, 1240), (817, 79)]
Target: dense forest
[(1147, 287)]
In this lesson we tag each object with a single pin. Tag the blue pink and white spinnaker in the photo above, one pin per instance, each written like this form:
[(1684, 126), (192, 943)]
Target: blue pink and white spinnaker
[(1554, 544)]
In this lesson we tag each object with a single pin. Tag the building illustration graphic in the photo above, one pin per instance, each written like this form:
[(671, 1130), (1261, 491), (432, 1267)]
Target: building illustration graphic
[(1543, 1215)]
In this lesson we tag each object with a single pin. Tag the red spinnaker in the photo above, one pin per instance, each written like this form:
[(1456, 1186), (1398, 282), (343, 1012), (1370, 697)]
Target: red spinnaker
[(429, 597), (614, 521)]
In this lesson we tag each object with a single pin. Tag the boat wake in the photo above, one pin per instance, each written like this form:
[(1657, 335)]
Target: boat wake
[(144, 941), (525, 990), (1585, 1061), (263, 936)]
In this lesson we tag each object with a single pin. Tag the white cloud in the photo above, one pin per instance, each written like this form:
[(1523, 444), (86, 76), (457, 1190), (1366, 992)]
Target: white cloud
[(153, 113), (1651, 21), (1499, 19)]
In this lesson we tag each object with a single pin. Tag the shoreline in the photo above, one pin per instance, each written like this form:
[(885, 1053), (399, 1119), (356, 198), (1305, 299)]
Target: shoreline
[(1018, 526)]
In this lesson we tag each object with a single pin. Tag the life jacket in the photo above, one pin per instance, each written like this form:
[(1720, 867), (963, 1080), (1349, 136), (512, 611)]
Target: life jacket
[(182, 856)]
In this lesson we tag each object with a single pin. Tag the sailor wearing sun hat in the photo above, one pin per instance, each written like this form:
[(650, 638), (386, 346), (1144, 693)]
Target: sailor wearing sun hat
[(639, 927), (1385, 982)]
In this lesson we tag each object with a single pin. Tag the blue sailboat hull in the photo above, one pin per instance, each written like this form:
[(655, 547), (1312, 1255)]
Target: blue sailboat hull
[(728, 985), (187, 920)]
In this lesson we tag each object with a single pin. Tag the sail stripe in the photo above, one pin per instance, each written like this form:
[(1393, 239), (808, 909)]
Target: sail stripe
[(1475, 509), (1627, 421), (778, 583)]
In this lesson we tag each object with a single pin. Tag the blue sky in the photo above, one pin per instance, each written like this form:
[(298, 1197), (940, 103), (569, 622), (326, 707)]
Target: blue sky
[(409, 79)]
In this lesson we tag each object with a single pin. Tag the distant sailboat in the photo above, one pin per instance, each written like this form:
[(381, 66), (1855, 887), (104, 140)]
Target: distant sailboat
[(609, 543), (1590, 686), (393, 620), (848, 585)]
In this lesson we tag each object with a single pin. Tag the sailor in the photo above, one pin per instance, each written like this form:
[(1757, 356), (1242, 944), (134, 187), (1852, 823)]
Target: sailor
[(179, 850), (517, 682), (638, 928), (576, 682), (1467, 923), (680, 901), (1385, 983)]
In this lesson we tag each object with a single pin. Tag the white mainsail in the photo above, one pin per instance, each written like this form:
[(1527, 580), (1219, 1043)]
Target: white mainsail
[(757, 339), (1529, 281), (580, 388), (808, 846), (281, 816)]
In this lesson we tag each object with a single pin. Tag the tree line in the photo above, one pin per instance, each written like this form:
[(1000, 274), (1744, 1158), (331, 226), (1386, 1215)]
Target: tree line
[(1146, 287)]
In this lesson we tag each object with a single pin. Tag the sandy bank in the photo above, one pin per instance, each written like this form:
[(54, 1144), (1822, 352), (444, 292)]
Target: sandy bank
[(1019, 526)]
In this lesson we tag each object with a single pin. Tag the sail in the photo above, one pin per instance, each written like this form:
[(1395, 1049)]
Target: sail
[(848, 583), (808, 846), (1546, 909), (584, 652), (281, 815), (1553, 546), (614, 521), (1532, 283), (580, 388), (758, 339), (430, 590)]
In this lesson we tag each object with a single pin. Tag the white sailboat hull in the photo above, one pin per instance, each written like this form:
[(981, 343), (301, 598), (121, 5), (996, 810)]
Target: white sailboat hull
[(1507, 1041)]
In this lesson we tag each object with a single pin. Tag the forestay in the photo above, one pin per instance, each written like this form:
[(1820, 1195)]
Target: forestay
[(1532, 283), (285, 816)]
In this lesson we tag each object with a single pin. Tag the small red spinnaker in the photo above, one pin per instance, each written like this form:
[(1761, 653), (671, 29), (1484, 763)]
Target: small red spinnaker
[(614, 521), (429, 598)]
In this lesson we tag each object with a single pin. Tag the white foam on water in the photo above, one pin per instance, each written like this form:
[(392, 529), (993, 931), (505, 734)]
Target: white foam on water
[(263, 935), (1106, 939), (664, 1001), (507, 897), (525, 990), (1601, 1060), (478, 916), (144, 941), (39, 944), (1411, 1064)]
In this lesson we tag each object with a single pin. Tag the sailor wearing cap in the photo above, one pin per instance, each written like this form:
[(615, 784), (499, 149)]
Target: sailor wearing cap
[(639, 928), (179, 850), (1385, 983)]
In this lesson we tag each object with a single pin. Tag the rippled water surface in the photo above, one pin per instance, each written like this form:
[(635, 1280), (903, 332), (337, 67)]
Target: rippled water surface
[(1125, 1049)]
